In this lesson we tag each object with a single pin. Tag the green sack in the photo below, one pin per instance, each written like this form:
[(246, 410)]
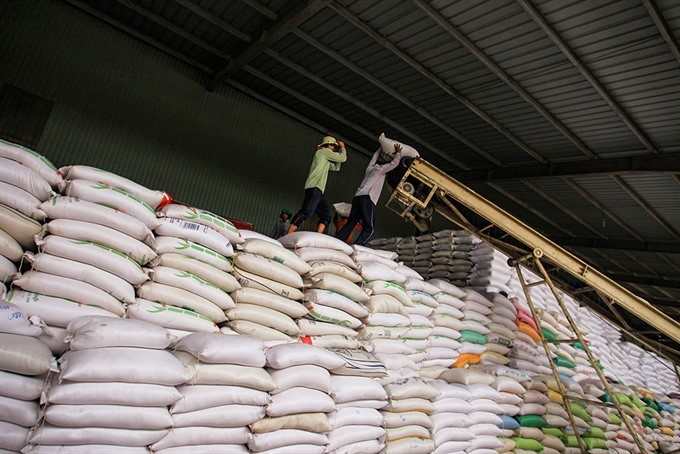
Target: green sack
[(555, 432), (531, 421), (563, 362), (549, 335), (595, 443), (579, 411), (528, 444), (637, 402), (649, 422), (614, 419), (650, 403), (651, 413), (623, 399), (595, 432), (472, 337)]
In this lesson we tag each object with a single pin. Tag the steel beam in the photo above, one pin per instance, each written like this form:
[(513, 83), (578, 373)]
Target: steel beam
[(625, 245), (562, 45), (555, 254), (661, 24), (221, 23), (268, 38), (658, 163), (443, 22), (440, 83)]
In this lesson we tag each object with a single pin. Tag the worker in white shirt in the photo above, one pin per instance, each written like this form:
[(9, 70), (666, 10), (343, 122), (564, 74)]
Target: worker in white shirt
[(367, 196)]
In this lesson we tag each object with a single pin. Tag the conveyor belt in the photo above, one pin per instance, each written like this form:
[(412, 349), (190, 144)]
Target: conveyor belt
[(424, 187)]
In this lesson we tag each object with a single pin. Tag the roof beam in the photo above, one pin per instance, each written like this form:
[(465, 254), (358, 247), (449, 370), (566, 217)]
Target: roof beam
[(646, 207), (439, 82), (625, 245), (268, 38), (163, 22), (661, 24), (221, 23), (443, 22), (294, 66), (395, 94), (646, 280), (660, 162), (555, 37)]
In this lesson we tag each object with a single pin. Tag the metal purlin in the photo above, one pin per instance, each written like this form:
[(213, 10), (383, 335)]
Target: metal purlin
[(535, 256)]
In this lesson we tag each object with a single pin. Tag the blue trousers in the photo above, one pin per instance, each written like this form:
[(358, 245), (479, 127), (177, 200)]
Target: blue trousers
[(363, 209), (314, 202)]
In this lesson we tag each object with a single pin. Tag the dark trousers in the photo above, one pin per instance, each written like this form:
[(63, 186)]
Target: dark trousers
[(363, 209), (314, 203)]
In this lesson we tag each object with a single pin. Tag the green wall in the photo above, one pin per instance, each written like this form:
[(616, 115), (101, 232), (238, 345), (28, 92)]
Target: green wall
[(123, 106)]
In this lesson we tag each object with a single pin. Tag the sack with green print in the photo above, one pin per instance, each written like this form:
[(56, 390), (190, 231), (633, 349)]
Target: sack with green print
[(187, 213)]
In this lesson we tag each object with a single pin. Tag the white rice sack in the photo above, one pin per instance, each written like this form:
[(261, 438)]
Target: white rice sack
[(25, 355), (110, 416), (374, 271), (71, 289), (335, 300), (269, 300), (13, 320), (264, 316), (22, 201), (407, 431), (99, 332), (300, 400), (466, 377), (310, 327), (123, 394), (383, 303), (114, 239), (13, 436), (222, 416), (286, 355), (35, 161), (9, 248), (329, 314), (356, 416), (21, 412), (265, 267), (20, 387), (381, 287), (196, 233), (409, 418), (225, 227), (389, 346), (316, 254), (170, 317), (413, 387), (305, 376), (423, 286), (190, 436), (13, 173), (96, 255), (342, 438), (225, 349), (267, 334), (199, 397), (387, 320), (113, 197), (19, 226), (310, 422), (209, 273), (340, 285), (81, 210), (248, 279), (226, 374), (382, 332), (174, 296), (275, 252), (387, 146), (410, 445), (192, 284), (110, 283), (212, 449), (359, 363), (298, 240), (55, 312), (349, 389), (332, 341), (293, 439), (123, 364)]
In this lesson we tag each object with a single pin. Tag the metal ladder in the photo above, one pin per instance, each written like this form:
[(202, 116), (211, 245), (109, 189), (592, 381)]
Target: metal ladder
[(535, 257)]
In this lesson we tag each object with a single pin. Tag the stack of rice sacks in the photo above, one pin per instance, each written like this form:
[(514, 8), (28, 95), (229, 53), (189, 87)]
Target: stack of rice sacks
[(24, 364), (27, 179), (113, 390), (227, 392), (466, 412), (91, 252), (333, 296), (445, 307), (189, 280), (427, 346), (297, 416), (451, 256), (491, 272)]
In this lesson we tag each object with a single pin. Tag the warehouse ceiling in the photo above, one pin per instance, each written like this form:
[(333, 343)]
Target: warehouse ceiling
[(565, 113)]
